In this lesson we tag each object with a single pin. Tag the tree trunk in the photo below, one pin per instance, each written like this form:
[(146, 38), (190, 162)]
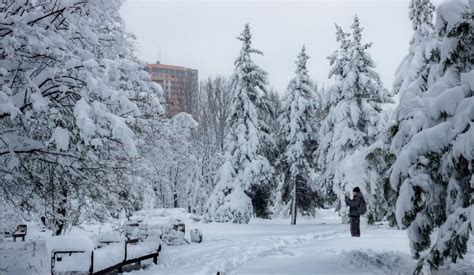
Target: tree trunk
[(344, 212), (61, 215), (175, 191), (293, 204)]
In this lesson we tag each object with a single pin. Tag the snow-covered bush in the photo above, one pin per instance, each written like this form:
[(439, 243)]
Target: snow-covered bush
[(169, 165), (208, 139)]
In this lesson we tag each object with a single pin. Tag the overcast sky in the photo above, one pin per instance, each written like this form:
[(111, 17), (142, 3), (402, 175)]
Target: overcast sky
[(201, 35)]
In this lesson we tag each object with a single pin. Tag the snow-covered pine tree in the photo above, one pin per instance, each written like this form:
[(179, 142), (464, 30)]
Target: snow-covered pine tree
[(330, 98), (412, 78), (421, 45), (338, 61), (433, 172), (245, 178), (414, 74), (354, 120), (379, 161), (298, 142)]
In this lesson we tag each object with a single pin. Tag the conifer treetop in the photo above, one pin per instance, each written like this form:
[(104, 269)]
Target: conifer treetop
[(421, 14), (339, 58), (342, 37), (246, 38), (356, 30), (301, 61)]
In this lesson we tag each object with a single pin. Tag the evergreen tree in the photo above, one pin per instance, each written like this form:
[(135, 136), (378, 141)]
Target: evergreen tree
[(381, 196), (330, 98), (354, 119), (421, 45), (412, 78), (338, 60), (414, 74), (298, 142), (433, 171), (245, 179)]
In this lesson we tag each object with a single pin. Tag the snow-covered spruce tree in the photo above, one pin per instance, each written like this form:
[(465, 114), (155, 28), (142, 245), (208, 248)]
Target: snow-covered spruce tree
[(433, 172), (245, 179), (298, 142), (330, 98), (338, 60), (65, 105), (415, 74), (354, 119), (379, 161), (421, 46), (412, 78)]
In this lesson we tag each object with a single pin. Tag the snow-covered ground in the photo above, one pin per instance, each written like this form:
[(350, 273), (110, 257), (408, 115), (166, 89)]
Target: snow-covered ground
[(266, 248), (314, 246)]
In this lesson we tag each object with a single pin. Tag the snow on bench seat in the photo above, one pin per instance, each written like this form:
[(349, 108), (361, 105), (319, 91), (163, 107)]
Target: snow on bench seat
[(143, 248), (71, 253), (69, 243), (109, 255), (109, 237)]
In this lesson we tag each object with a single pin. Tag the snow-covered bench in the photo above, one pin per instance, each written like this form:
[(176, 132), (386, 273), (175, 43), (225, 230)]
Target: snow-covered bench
[(70, 254), (77, 254), (20, 232)]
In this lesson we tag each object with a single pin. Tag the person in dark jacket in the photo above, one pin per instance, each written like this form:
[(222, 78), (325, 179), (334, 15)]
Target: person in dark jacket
[(354, 215)]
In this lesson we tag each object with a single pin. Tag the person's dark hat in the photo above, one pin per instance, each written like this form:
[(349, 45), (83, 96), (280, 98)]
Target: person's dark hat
[(357, 190)]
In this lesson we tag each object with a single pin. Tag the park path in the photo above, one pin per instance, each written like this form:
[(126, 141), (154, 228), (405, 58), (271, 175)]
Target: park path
[(285, 249)]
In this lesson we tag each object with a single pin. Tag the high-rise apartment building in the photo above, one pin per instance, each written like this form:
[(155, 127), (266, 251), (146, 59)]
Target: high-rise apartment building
[(180, 86)]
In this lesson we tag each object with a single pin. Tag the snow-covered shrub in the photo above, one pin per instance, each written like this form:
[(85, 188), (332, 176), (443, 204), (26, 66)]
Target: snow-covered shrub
[(173, 238)]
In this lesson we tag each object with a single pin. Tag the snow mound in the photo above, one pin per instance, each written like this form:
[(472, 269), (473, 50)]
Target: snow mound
[(388, 262)]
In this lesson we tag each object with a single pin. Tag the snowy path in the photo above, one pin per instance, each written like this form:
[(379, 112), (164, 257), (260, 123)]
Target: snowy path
[(282, 249)]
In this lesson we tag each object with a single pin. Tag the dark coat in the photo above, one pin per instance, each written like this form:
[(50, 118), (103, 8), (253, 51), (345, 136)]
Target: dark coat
[(354, 204)]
